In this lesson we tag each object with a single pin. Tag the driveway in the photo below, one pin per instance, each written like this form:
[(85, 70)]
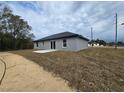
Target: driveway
[(25, 75)]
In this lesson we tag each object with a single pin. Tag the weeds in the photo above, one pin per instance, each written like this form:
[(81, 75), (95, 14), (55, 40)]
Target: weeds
[(95, 69)]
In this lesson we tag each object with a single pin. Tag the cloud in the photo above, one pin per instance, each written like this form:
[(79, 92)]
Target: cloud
[(51, 17)]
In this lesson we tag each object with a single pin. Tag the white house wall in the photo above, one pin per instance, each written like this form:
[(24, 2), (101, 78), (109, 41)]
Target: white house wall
[(73, 44), (81, 44), (40, 45), (47, 45)]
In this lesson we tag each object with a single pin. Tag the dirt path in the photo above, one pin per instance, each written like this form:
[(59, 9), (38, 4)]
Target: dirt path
[(25, 75)]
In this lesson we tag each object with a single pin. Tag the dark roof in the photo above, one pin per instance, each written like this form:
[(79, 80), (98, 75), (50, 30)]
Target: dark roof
[(62, 35)]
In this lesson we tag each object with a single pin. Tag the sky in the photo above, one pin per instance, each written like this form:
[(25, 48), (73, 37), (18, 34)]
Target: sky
[(50, 17)]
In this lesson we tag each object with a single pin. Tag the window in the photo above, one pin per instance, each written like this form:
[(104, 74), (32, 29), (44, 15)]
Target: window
[(37, 44), (64, 43)]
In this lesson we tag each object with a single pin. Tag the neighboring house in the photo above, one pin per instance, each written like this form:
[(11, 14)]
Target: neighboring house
[(95, 45), (62, 41)]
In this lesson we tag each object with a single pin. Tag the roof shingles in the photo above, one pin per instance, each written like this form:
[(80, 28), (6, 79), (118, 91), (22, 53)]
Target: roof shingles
[(61, 35)]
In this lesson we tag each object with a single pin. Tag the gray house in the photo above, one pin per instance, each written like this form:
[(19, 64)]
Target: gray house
[(62, 41)]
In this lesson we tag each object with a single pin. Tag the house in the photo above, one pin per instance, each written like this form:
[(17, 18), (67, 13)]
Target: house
[(95, 45), (62, 41)]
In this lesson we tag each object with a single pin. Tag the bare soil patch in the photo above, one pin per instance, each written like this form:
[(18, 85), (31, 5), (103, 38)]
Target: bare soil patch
[(25, 75), (94, 69)]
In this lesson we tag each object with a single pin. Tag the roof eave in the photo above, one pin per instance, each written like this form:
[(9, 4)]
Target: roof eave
[(83, 38), (61, 38)]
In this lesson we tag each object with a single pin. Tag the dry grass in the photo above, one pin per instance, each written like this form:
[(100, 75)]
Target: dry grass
[(95, 69)]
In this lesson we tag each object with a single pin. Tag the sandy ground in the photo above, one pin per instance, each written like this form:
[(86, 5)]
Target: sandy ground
[(2, 67), (25, 75)]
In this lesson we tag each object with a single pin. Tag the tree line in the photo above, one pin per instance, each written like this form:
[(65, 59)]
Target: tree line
[(15, 32), (98, 41)]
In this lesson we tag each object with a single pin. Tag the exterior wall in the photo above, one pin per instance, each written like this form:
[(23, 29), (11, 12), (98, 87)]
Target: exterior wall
[(47, 45), (81, 44), (40, 45), (73, 44)]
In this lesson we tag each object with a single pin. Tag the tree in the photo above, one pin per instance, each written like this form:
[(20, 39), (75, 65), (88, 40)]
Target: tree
[(19, 29), (100, 42), (111, 43), (14, 31), (120, 43)]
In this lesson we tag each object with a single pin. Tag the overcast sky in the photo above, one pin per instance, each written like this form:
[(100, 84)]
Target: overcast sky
[(47, 18)]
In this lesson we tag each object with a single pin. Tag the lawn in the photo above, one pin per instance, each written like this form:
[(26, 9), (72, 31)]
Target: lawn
[(94, 69)]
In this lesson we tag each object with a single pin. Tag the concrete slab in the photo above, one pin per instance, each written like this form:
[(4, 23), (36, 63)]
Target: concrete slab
[(45, 51)]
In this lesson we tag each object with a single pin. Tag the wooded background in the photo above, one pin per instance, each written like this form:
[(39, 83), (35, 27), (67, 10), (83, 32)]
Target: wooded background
[(15, 32)]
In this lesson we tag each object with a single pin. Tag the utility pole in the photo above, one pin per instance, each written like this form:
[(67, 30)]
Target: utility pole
[(91, 36), (116, 22)]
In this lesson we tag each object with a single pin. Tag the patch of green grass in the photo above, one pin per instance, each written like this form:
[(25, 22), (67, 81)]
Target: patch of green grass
[(94, 69)]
